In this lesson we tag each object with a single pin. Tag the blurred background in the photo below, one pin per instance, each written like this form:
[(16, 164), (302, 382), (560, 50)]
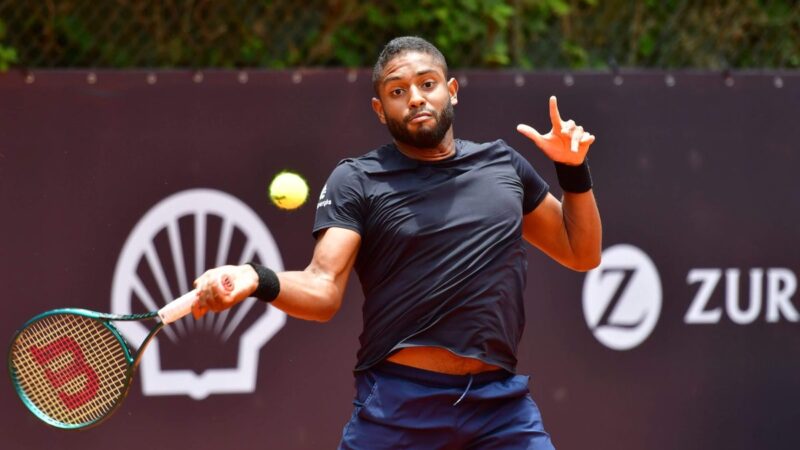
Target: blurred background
[(118, 113)]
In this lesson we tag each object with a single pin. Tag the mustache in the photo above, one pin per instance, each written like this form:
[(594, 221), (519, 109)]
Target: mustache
[(414, 112)]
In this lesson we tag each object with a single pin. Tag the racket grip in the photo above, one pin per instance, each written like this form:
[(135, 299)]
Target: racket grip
[(178, 308), (182, 305)]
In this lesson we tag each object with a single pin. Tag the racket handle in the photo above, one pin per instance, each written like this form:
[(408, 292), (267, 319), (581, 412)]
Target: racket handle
[(182, 305), (178, 308)]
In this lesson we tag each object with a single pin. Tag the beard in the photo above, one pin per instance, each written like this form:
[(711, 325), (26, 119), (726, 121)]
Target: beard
[(424, 137)]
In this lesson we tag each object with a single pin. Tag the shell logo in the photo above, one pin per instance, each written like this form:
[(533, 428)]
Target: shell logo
[(177, 240)]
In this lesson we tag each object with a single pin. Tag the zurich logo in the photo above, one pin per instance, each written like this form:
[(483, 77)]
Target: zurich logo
[(622, 297)]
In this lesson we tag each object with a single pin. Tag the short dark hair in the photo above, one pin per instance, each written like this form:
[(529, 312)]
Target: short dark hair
[(400, 45)]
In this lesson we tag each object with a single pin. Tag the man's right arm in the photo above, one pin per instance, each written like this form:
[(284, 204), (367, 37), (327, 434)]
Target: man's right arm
[(312, 294), (316, 293)]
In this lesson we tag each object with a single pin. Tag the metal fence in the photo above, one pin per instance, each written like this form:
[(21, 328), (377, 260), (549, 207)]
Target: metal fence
[(531, 34)]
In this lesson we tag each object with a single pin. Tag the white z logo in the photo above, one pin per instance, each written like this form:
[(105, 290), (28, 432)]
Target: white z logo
[(622, 298)]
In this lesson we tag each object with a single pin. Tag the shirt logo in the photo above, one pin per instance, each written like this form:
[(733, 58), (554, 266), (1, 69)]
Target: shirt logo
[(322, 201), (622, 298)]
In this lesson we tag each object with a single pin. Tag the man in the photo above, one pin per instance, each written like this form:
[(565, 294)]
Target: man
[(434, 226)]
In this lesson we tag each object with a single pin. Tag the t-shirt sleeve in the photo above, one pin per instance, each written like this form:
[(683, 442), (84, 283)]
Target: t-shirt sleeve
[(341, 201), (535, 188)]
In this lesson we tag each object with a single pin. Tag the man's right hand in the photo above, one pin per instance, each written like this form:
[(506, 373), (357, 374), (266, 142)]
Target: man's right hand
[(214, 296)]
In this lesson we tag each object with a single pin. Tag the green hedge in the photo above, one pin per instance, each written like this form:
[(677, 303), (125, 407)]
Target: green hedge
[(530, 34)]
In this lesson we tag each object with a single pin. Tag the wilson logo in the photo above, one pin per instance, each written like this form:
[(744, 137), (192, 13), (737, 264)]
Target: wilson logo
[(76, 368), (622, 298)]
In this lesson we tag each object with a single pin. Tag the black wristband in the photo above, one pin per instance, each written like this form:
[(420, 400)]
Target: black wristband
[(268, 284), (576, 179)]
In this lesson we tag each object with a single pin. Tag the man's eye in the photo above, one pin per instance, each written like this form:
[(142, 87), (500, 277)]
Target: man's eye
[(397, 92), (428, 84)]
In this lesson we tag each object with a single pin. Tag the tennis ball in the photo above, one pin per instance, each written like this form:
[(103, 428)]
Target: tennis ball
[(288, 190)]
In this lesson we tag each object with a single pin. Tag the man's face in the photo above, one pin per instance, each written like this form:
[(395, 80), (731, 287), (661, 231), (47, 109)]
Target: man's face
[(415, 101)]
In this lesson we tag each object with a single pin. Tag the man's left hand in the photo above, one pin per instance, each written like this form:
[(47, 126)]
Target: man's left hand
[(566, 142)]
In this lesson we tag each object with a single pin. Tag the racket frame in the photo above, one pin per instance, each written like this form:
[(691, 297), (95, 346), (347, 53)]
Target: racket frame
[(133, 359)]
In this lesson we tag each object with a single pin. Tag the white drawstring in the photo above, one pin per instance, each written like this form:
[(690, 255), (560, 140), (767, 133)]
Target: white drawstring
[(469, 385)]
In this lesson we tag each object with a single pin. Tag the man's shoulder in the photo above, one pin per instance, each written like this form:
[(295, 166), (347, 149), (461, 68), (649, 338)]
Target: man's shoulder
[(383, 159), (490, 149), (387, 159), (374, 156)]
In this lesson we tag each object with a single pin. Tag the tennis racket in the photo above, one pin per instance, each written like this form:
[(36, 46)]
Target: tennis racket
[(72, 368)]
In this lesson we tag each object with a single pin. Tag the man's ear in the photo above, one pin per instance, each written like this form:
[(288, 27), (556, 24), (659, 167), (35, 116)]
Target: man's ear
[(452, 88), (377, 106)]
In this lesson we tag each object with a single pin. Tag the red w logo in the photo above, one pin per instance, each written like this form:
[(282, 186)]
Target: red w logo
[(76, 368)]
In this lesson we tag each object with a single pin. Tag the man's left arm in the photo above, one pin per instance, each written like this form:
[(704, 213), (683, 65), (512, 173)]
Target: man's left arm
[(569, 231)]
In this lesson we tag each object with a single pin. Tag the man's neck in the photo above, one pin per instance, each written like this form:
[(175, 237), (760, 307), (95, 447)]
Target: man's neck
[(444, 150)]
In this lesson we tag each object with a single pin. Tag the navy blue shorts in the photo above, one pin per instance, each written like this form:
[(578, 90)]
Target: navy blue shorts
[(399, 407)]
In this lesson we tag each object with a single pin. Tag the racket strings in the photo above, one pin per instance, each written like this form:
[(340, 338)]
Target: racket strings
[(72, 368)]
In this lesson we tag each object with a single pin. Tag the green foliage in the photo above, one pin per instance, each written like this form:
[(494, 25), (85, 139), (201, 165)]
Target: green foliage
[(530, 34), (469, 32), (8, 55)]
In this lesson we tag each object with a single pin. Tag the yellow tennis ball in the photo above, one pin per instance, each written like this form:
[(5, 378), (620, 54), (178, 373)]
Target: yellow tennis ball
[(288, 190)]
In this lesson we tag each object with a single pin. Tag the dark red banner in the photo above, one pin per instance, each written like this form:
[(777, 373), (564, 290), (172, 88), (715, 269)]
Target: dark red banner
[(118, 187)]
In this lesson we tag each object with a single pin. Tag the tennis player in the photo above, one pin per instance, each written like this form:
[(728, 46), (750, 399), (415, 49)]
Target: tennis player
[(435, 226)]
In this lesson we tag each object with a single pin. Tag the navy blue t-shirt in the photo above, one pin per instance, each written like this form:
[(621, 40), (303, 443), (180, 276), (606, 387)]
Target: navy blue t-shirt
[(442, 261)]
